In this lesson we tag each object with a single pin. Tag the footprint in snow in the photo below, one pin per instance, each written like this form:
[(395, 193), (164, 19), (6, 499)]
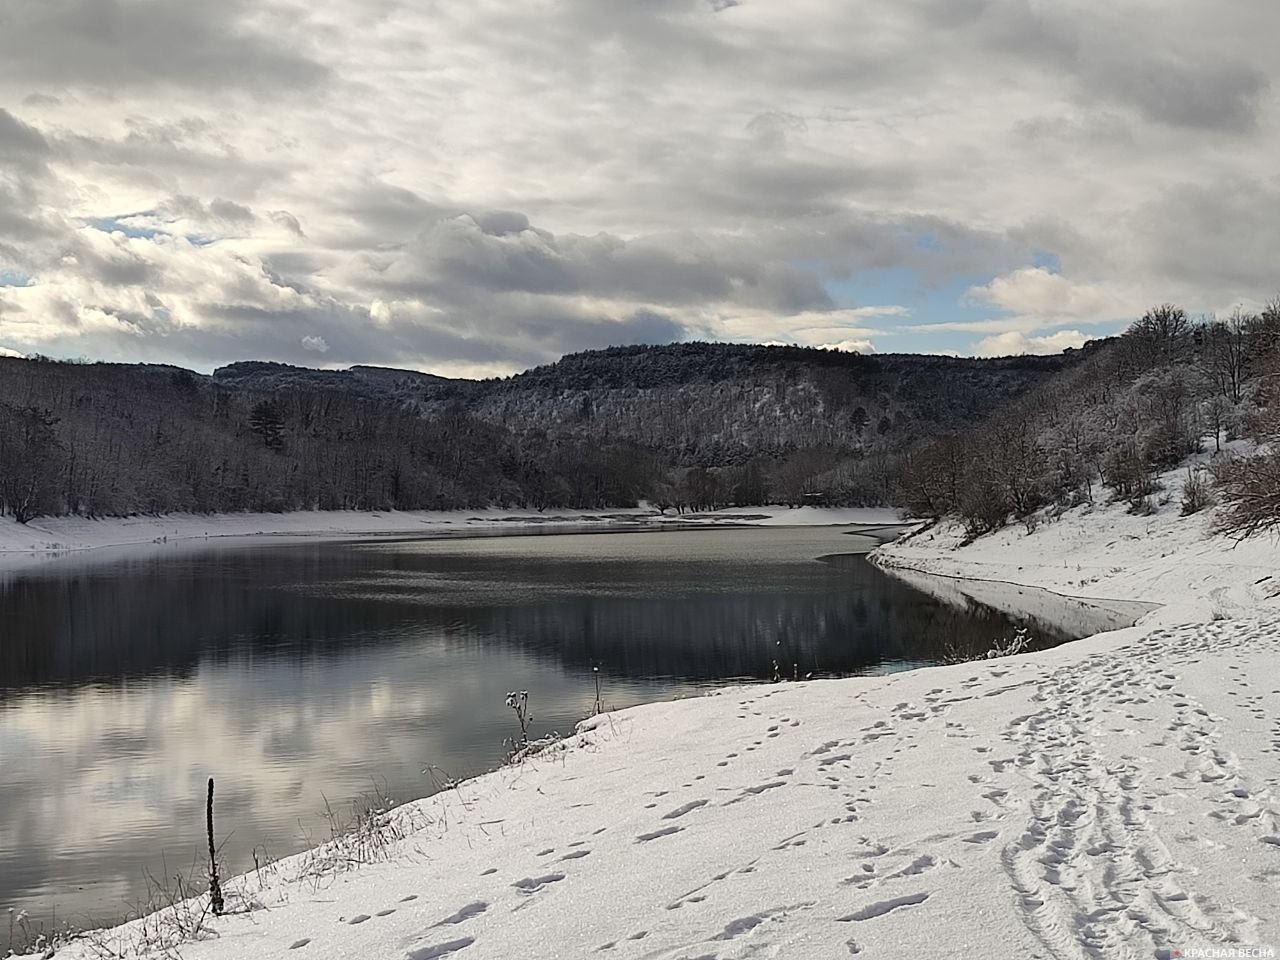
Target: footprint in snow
[(466, 913), (757, 790), (440, 949), (882, 907), (664, 832), (534, 884), (684, 808)]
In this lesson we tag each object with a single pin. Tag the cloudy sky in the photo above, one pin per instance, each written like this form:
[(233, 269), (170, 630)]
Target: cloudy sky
[(473, 187)]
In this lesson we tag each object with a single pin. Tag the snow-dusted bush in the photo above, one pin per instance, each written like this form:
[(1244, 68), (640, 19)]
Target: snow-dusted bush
[(1019, 642), (1197, 492), (1249, 488)]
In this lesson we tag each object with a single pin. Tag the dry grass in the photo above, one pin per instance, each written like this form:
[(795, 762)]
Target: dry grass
[(370, 829)]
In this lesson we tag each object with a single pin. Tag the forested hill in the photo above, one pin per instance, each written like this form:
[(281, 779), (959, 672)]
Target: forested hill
[(690, 425), (707, 404)]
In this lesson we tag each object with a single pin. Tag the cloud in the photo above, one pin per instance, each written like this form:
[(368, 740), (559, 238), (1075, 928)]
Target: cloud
[(20, 143), (1015, 343), (850, 346), (1039, 298), (119, 43), (485, 186)]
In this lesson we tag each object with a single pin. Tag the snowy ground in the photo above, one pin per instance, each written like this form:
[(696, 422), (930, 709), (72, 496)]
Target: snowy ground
[(1112, 798)]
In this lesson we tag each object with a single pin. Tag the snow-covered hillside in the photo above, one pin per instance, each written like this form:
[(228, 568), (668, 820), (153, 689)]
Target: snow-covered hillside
[(1105, 551), (1112, 798)]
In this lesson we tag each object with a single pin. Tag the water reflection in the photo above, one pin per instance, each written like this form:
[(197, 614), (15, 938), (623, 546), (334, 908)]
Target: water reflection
[(292, 673)]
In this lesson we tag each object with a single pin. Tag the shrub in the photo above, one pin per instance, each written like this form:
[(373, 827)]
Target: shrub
[(1197, 493), (1249, 488)]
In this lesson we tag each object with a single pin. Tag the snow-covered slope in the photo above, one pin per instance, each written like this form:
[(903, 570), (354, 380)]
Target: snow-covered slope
[(1104, 551)]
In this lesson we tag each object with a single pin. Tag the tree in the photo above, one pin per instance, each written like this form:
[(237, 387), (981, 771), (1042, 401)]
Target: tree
[(1161, 335), (31, 462), (1225, 353), (1249, 487), (1250, 491), (267, 422)]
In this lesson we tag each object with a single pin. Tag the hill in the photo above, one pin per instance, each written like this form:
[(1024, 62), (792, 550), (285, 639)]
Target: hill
[(692, 425)]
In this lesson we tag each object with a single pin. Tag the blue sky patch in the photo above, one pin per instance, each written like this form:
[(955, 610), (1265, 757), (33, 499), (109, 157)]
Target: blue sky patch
[(14, 278), (120, 224), (928, 303)]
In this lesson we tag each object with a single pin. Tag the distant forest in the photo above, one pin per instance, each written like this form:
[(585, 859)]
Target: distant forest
[(687, 426)]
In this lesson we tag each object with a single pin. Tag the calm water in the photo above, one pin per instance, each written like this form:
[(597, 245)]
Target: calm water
[(296, 672)]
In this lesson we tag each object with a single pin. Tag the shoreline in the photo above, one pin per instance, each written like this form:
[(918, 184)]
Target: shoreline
[(1102, 551)]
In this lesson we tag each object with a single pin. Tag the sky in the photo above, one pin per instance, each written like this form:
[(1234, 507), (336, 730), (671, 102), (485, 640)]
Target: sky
[(473, 188)]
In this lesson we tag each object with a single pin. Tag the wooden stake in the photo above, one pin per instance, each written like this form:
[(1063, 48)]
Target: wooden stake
[(215, 888)]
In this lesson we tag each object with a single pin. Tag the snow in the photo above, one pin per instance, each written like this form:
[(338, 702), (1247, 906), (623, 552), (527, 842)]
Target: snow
[(1113, 797)]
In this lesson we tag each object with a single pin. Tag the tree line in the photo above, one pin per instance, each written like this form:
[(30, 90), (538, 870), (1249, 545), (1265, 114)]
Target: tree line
[(686, 426)]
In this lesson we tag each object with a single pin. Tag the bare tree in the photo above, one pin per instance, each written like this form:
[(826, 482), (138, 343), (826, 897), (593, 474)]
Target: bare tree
[(1250, 491), (1225, 353)]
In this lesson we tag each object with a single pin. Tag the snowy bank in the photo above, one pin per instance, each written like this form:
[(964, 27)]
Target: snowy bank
[(1105, 552), (57, 534)]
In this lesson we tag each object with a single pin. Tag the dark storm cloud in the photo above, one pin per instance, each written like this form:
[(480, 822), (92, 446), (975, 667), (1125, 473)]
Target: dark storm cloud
[(119, 43)]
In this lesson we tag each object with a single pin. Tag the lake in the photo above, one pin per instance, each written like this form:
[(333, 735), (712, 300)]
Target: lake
[(302, 673)]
